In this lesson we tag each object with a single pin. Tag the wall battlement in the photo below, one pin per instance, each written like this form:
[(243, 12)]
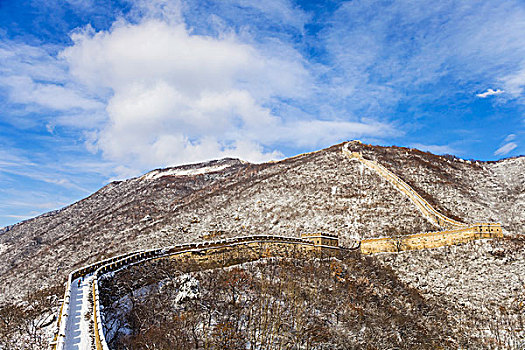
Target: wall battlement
[(322, 239)]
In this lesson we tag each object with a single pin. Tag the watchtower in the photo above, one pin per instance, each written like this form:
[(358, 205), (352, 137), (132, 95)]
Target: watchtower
[(324, 240)]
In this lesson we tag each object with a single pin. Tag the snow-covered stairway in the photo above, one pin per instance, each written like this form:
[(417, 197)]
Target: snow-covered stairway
[(77, 326)]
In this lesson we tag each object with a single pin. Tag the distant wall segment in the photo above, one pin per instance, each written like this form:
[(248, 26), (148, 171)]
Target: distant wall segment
[(431, 239), (455, 232), (428, 211)]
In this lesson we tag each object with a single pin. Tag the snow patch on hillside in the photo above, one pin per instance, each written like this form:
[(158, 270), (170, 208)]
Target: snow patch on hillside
[(156, 174)]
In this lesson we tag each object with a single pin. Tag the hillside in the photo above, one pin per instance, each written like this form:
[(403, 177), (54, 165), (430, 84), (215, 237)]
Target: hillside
[(351, 303), (320, 191), (473, 191), (323, 191), (482, 282)]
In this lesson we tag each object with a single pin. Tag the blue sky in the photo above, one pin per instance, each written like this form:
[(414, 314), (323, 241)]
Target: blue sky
[(92, 91)]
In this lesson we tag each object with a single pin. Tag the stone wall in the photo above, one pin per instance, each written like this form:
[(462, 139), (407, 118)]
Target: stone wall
[(208, 255), (431, 239), (430, 212), (249, 251)]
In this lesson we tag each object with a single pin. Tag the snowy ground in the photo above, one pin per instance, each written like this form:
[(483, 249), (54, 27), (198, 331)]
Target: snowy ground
[(157, 174), (77, 328)]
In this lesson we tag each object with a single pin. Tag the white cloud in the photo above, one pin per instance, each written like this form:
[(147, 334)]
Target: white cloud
[(515, 82), (505, 149), (177, 97), (490, 92), (180, 97), (510, 137)]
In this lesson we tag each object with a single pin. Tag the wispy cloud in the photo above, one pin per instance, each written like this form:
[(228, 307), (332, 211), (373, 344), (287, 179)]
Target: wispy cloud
[(505, 149), (515, 81), (510, 137), (36, 81), (490, 92), (31, 183), (375, 62), (20, 217), (59, 175)]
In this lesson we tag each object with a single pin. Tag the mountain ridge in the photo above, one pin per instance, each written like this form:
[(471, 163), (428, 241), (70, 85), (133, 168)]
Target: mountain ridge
[(204, 163), (316, 191)]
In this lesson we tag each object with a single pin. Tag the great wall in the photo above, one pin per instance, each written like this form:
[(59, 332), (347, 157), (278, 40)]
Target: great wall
[(239, 249), (454, 232), (69, 333)]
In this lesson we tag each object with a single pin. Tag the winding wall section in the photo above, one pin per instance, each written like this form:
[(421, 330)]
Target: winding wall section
[(454, 232), (201, 250), (425, 207)]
